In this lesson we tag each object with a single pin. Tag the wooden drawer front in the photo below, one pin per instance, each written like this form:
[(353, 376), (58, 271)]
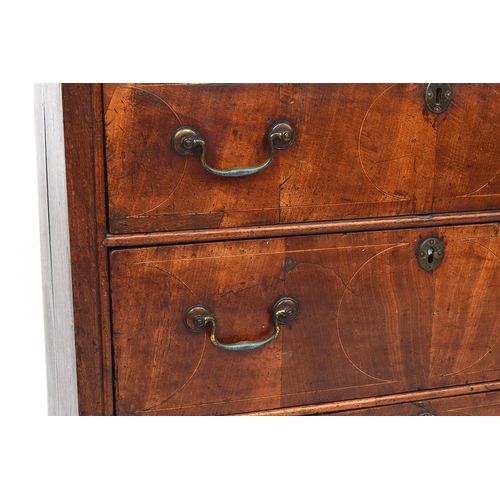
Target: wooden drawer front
[(361, 150), (371, 320), (485, 404)]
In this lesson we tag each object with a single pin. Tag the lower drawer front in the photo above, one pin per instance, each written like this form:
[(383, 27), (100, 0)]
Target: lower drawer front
[(371, 321), (486, 404)]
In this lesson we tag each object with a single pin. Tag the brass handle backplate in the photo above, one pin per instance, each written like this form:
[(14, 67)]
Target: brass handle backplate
[(186, 140), (197, 317)]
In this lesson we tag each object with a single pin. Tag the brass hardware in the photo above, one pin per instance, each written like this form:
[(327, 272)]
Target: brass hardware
[(186, 140), (430, 254), (438, 96), (198, 316)]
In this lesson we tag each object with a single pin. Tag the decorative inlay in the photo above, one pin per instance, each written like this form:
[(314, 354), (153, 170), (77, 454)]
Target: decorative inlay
[(425, 325), (137, 162), (408, 152)]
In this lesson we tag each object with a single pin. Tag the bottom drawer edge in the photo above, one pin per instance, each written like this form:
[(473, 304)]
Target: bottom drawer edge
[(433, 402)]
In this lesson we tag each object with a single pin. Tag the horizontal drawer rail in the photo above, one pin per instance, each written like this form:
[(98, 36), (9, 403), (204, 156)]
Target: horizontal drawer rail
[(373, 402), (312, 228)]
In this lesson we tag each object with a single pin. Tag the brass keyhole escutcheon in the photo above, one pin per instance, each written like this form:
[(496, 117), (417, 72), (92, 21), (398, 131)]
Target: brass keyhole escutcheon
[(438, 97), (430, 254)]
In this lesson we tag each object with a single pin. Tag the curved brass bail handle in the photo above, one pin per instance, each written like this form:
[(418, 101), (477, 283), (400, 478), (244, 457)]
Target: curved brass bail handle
[(186, 140), (197, 317)]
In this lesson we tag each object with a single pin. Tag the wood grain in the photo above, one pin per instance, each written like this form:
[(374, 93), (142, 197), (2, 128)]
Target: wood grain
[(334, 222), (374, 224), (160, 363), (371, 321), (372, 403), (484, 404), (97, 140), (362, 150), (86, 224)]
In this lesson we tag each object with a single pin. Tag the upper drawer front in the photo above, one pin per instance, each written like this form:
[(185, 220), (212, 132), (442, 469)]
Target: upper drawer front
[(371, 320), (361, 150)]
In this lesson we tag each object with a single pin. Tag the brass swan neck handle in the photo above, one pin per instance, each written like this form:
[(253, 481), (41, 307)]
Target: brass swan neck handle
[(186, 140), (197, 317)]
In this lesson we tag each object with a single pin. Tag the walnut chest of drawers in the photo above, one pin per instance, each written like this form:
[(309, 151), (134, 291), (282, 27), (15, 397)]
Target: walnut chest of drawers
[(277, 249)]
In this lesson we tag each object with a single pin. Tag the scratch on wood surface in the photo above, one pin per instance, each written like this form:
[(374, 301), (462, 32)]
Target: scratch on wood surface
[(394, 159), (239, 290), (150, 265), (208, 257), (111, 98), (286, 180)]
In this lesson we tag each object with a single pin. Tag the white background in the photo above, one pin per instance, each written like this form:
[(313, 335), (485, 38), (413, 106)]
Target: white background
[(22, 353), (230, 458)]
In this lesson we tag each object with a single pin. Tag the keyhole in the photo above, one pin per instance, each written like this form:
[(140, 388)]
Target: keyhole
[(430, 257), (439, 92), (430, 254)]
